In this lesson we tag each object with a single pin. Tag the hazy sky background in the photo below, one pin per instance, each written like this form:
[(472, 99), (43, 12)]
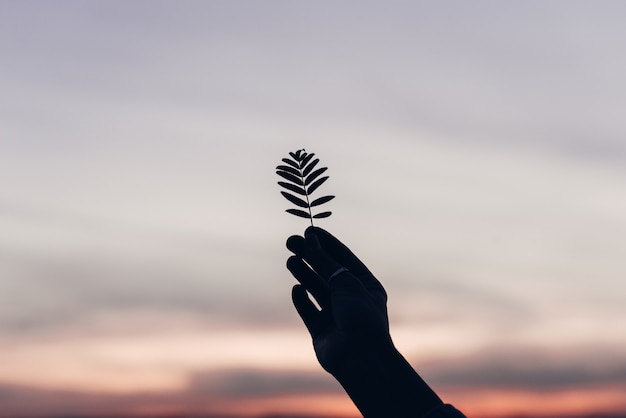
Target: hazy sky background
[(478, 155)]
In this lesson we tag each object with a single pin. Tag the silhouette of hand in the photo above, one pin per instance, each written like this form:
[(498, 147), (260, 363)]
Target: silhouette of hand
[(353, 316), (351, 330)]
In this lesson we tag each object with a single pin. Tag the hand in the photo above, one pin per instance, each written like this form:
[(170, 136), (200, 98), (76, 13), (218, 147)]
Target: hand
[(351, 331), (353, 302)]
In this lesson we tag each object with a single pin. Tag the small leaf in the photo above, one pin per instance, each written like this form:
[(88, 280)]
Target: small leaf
[(291, 178), (299, 213), (316, 184), (288, 169), (291, 163), (306, 160), (322, 215), (293, 188), (321, 200), (314, 175), (295, 155), (295, 200), (310, 167)]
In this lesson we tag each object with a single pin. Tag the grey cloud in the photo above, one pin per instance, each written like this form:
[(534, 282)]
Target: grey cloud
[(245, 384), (253, 382), (56, 294), (447, 300), (203, 389), (531, 369), (44, 290), (520, 74), (25, 401)]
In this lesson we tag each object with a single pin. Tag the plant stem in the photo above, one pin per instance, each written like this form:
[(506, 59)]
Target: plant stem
[(306, 193)]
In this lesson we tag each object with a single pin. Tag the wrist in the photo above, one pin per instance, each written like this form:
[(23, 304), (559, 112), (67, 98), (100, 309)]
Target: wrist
[(382, 383)]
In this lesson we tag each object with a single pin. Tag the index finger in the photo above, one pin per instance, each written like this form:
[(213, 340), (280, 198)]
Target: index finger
[(309, 250), (344, 256), (337, 250)]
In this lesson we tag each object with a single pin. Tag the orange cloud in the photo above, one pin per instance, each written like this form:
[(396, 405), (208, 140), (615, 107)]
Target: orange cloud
[(495, 402), (253, 393)]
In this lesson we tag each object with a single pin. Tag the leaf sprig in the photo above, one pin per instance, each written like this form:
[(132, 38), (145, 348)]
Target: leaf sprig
[(303, 179)]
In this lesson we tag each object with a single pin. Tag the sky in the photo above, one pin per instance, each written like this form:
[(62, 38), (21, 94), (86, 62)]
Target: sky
[(477, 151)]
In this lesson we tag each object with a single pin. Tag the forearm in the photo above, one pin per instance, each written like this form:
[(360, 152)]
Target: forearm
[(382, 383)]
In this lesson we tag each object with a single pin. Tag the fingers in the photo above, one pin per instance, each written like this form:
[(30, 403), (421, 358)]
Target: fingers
[(326, 254), (310, 280), (305, 308), (323, 280), (338, 251), (310, 251)]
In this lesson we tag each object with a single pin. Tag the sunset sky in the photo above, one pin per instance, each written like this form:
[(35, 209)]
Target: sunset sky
[(477, 151)]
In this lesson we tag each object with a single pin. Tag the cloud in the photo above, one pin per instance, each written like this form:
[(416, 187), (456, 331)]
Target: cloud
[(531, 369), (65, 268), (57, 294), (475, 74), (208, 392), (256, 392), (256, 382), (25, 401)]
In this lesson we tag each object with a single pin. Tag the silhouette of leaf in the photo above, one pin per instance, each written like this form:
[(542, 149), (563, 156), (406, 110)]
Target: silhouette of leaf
[(291, 163), (299, 213), (293, 188), (310, 167), (306, 160), (289, 169), (295, 200), (322, 215), (316, 184), (314, 175), (290, 177), (303, 179), (321, 200)]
